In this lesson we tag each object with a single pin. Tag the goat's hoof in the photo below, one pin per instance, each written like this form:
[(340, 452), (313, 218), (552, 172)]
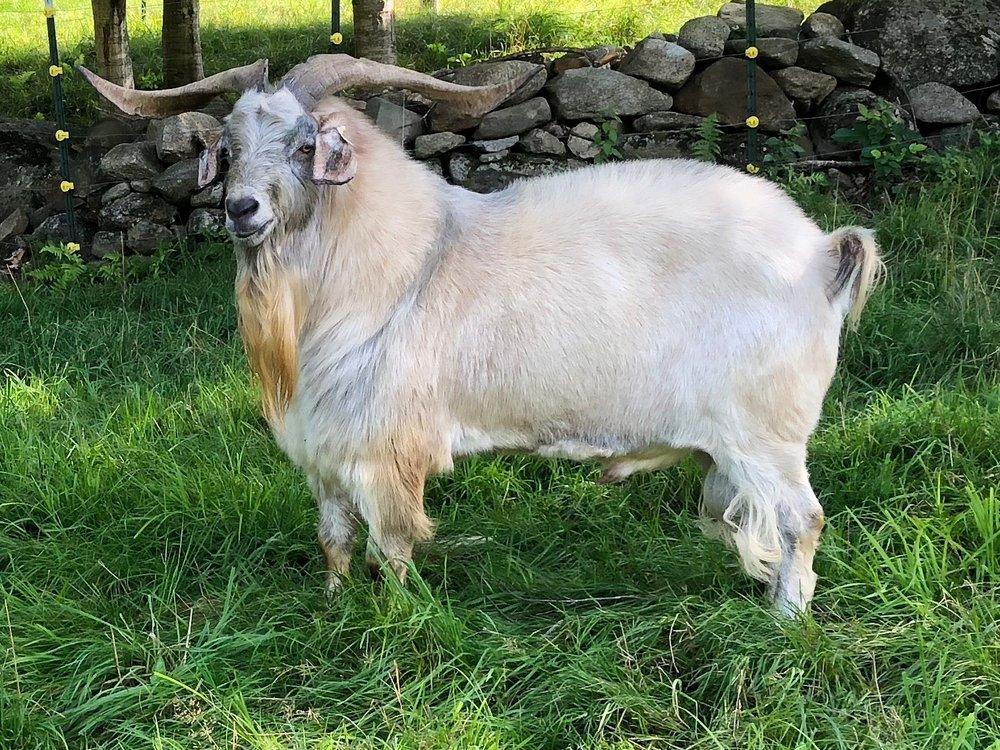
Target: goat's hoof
[(790, 608), (334, 583)]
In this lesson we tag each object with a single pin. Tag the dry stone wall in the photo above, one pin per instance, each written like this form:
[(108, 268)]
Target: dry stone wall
[(814, 70)]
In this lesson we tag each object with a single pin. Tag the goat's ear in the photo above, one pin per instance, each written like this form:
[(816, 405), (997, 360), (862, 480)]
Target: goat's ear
[(333, 157), (208, 162)]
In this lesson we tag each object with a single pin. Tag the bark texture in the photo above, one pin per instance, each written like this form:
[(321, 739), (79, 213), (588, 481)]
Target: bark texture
[(181, 43), (375, 30), (114, 57)]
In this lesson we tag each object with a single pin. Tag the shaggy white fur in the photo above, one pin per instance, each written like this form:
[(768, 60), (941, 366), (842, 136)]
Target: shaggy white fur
[(628, 313)]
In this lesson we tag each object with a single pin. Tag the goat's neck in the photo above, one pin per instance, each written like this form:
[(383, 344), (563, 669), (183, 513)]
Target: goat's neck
[(341, 274), (373, 236)]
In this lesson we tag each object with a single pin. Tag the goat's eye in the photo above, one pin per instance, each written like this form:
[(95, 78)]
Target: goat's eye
[(306, 148)]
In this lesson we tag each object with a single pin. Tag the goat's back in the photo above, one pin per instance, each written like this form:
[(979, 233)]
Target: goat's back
[(641, 302)]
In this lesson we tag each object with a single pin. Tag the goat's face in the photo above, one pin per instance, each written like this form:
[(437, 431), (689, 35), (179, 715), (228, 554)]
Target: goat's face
[(277, 152)]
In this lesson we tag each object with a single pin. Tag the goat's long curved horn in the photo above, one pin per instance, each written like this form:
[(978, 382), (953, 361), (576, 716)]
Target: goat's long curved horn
[(327, 74), (182, 98)]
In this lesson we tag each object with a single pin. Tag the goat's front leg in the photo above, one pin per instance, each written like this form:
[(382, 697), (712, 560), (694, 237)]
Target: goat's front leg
[(389, 493), (338, 529)]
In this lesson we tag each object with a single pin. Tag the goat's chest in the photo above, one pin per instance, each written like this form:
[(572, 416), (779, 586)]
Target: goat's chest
[(341, 401)]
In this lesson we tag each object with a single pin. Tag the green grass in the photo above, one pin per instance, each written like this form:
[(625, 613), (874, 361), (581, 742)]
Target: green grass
[(235, 33), (162, 588)]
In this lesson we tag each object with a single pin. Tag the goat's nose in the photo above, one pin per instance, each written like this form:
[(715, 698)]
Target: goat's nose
[(242, 208)]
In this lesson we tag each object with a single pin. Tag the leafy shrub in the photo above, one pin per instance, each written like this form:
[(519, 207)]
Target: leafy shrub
[(609, 134), (887, 143), (783, 149), (57, 266)]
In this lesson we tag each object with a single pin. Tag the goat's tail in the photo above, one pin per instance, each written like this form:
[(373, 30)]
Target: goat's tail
[(859, 269)]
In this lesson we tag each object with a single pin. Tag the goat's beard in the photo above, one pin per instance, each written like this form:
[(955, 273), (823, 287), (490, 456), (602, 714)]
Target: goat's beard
[(268, 299)]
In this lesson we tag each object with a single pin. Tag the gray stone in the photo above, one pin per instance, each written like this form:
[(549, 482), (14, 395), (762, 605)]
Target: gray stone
[(178, 181), (586, 130), (659, 145), (721, 90), (659, 61), (125, 211), (705, 36), (493, 156), (131, 161), (822, 24), (115, 192), (845, 61), (444, 118), (805, 86), (210, 197), (108, 133), (666, 121), (435, 144), (399, 123), (955, 42), (434, 165), (145, 236), (15, 223), (581, 147), (467, 171), (514, 120), (592, 93), (55, 228), (556, 128), (938, 104), (182, 136), (581, 141), (218, 108), (774, 51), (492, 146), (538, 141), (993, 102), (772, 20), (106, 243), (460, 166), (206, 221), (141, 186)]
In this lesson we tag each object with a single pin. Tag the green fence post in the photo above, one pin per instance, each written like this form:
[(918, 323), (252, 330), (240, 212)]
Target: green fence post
[(336, 37), (62, 134), (752, 121)]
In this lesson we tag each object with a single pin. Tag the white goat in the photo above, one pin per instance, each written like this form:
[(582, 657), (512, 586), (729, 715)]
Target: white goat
[(630, 313)]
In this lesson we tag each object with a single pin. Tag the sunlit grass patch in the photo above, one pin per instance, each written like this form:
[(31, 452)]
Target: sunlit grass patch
[(286, 33)]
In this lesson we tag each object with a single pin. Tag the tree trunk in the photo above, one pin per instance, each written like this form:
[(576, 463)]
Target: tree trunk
[(181, 43), (375, 30), (114, 58)]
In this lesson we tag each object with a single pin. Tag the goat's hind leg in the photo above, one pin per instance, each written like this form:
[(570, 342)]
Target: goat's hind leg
[(773, 519), (800, 524)]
